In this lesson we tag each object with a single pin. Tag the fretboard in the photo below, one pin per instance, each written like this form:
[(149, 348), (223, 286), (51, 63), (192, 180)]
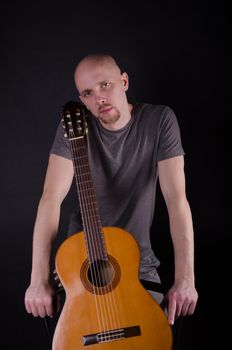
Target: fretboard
[(92, 227)]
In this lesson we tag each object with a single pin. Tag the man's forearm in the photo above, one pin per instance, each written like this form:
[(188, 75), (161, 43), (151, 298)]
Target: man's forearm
[(181, 228), (45, 231)]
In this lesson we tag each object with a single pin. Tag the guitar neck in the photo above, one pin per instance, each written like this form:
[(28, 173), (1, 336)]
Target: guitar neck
[(92, 226)]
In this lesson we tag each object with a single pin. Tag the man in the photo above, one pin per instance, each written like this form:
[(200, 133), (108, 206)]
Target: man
[(131, 145)]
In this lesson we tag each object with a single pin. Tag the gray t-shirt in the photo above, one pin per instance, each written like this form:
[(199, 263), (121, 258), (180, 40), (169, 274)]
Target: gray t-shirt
[(123, 165)]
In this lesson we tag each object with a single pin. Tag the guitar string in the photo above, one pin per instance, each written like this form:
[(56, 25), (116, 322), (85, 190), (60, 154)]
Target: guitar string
[(108, 289), (80, 193), (87, 183), (109, 308), (86, 186), (99, 257), (99, 243)]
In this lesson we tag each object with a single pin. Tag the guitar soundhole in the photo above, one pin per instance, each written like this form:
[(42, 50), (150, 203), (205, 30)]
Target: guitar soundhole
[(100, 273), (100, 276)]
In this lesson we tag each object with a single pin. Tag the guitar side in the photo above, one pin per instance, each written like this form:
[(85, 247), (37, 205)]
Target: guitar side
[(127, 306)]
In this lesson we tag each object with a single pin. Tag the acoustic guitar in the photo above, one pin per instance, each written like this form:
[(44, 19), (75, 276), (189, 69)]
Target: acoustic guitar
[(106, 307)]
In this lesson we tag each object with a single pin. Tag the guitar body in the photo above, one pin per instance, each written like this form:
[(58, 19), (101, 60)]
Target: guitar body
[(125, 305)]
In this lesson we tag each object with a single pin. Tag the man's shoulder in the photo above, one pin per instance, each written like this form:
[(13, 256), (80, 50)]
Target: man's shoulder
[(147, 107), (155, 112)]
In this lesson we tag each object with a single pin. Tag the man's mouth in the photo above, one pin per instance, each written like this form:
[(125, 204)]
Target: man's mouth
[(104, 109)]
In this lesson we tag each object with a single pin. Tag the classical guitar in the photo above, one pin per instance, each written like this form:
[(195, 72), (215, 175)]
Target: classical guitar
[(106, 307)]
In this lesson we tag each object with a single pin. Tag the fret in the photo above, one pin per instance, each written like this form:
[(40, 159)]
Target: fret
[(80, 157), (90, 214), (88, 195), (83, 174), (80, 147), (90, 201), (81, 166), (85, 182)]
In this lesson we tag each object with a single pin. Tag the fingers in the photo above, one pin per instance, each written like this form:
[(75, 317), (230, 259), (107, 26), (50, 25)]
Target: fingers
[(28, 307), (39, 303), (49, 309), (179, 305), (191, 309), (183, 308), (187, 307), (39, 308), (171, 309)]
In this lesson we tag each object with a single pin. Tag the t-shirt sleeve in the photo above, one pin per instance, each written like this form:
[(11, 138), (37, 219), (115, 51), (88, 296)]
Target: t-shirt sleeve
[(170, 144), (60, 144)]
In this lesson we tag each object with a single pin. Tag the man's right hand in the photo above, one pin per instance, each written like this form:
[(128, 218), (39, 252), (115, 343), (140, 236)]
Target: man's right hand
[(39, 300)]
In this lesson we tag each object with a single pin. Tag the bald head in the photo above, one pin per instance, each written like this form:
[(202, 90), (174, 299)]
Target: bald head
[(98, 59), (95, 60)]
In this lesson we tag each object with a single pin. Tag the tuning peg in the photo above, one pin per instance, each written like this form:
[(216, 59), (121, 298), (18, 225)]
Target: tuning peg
[(65, 135)]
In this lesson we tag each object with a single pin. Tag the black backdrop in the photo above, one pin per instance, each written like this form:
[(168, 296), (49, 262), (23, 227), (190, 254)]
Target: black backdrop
[(176, 53)]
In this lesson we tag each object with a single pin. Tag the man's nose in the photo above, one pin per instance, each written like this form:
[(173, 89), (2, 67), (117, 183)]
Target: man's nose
[(101, 99)]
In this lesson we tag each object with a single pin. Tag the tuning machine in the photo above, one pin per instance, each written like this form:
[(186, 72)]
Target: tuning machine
[(57, 280)]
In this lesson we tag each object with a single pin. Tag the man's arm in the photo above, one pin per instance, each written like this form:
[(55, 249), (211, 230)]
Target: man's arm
[(182, 297), (59, 176)]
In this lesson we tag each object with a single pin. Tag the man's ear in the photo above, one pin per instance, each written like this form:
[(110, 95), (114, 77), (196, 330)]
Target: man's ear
[(125, 80)]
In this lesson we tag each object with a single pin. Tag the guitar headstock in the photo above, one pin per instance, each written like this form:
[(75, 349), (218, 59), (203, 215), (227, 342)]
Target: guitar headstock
[(74, 120)]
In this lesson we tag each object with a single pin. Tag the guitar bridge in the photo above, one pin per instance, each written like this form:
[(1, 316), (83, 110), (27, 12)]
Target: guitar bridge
[(111, 335)]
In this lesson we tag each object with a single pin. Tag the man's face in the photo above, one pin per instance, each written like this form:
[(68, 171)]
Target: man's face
[(102, 89)]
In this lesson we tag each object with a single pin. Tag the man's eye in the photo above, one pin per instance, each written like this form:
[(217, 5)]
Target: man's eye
[(106, 84), (86, 94)]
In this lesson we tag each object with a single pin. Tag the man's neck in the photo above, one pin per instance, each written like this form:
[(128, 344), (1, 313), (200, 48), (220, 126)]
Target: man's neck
[(121, 122)]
